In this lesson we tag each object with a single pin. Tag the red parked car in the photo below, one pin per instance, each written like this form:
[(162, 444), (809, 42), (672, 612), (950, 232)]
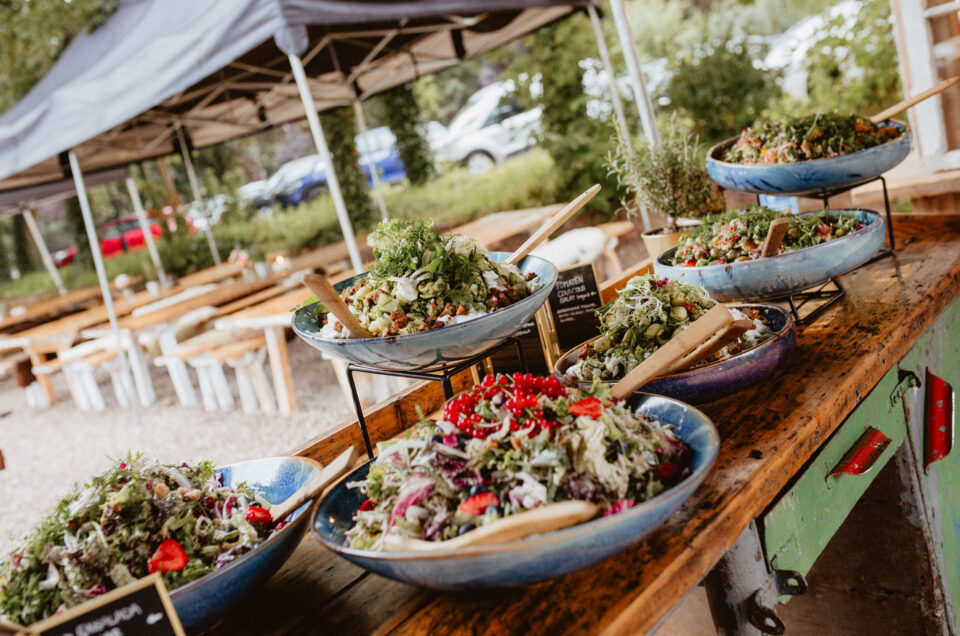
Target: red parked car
[(118, 236)]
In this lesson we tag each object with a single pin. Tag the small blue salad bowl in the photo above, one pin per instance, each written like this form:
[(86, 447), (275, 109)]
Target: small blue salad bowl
[(782, 274), (438, 347), (203, 601), (808, 177), (538, 557), (717, 379)]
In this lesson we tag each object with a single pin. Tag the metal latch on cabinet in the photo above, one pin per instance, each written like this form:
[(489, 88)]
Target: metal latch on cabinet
[(743, 591)]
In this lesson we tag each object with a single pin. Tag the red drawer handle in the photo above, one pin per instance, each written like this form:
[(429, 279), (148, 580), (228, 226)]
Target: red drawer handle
[(863, 455), (938, 420)]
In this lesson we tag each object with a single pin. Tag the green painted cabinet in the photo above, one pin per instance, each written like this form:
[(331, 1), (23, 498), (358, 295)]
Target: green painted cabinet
[(798, 526), (938, 352)]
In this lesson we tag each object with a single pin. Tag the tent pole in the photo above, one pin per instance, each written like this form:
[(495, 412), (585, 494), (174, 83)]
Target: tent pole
[(102, 274), (42, 248), (614, 92), (362, 125), (311, 111), (195, 187), (145, 228), (641, 97)]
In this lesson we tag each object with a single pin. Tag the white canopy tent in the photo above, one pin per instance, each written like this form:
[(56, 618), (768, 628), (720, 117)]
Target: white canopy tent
[(160, 77)]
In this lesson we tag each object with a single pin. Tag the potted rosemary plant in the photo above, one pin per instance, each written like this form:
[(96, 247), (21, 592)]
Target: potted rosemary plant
[(670, 180)]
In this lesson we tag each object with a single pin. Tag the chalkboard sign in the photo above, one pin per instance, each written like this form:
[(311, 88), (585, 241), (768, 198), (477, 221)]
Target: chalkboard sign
[(573, 303), (142, 608), (538, 360)]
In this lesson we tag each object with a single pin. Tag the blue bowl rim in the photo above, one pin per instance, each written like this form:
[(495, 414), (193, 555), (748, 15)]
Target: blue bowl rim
[(313, 335), (549, 537), (866, 228), (787, 326), (904, 133), (273, 538)]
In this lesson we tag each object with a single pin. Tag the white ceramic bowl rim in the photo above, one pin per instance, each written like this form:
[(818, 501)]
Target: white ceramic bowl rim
[(314, 335), (905, 130), (757, 347), (565, 533), (878, 218)]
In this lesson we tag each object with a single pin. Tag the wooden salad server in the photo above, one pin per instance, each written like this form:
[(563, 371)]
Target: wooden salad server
[(709, 348), (547, 518), (701, 333), (329, 298), (550, 226), (771, 244), (312, 488), (913, 101)]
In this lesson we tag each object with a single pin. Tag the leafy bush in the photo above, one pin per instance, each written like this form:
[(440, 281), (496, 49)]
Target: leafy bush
[(404, 119), (720, 88), (340, 127)]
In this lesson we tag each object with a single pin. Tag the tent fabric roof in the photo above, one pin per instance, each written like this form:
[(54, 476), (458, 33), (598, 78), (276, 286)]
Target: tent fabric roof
[(117, 95)]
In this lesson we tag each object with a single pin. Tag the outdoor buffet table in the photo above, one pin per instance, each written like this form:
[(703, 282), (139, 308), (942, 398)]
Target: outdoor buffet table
[(774, 436)]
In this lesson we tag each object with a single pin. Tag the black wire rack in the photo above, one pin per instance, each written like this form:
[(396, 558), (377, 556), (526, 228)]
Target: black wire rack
[(829, 293), (442, 374)]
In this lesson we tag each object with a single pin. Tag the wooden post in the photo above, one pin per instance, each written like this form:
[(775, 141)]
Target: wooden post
[(280, 369)]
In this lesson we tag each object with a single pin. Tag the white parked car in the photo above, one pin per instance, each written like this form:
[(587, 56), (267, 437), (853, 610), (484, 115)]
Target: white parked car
[(490, 127)]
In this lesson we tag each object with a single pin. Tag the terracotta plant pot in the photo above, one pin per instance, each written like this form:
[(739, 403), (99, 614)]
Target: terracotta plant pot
[(657, 242)]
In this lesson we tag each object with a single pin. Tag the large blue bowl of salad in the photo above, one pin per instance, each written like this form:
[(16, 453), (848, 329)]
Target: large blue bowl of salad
[(431, 300), (207, 530), (754, 357), (722, 256), (808, 155), (534, 443)]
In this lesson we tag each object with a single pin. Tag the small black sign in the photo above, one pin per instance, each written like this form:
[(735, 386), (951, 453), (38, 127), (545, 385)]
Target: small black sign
[(573, 303), (506, 361), (142, 608)]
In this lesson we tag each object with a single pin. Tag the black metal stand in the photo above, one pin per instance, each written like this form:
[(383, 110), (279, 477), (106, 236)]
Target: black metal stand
[(796, 301), (442, 374)]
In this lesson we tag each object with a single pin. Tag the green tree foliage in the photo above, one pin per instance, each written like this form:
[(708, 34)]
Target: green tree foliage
[(858, 55), (441, 95), (720, 88), (403, 118), (32, 35), (4, 252), (22, 252), (577, 143), (340, 127)]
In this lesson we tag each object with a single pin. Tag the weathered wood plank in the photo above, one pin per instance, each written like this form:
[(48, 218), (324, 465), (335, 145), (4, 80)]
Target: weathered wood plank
[(768, 433)]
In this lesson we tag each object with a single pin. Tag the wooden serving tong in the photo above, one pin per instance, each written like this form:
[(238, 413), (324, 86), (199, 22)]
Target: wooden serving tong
[(553, 224), (913, 101), (312, 488), (323, 289), (705, 336)]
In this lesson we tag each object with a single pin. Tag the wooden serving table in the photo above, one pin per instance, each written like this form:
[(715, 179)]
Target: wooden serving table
[(901, 317)]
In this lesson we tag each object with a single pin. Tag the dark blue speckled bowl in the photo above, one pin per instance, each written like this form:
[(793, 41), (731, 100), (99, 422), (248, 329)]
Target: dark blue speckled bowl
[(722, 378), (437, 347), (808, 177), (539, 557), (202, 602)]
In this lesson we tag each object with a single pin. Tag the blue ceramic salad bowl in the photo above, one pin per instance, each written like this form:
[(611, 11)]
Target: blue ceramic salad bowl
[(808, 177), (721, 378), (783, 274), (437, 347), (539, 557), (203, 601)]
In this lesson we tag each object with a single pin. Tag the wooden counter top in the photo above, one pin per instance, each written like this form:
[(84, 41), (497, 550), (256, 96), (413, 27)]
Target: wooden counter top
[(767, 434)]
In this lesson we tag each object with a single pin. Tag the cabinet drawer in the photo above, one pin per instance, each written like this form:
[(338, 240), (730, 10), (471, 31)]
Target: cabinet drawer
[(799, 525)]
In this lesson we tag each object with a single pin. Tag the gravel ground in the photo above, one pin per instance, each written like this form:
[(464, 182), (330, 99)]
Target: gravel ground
[(48, 450)]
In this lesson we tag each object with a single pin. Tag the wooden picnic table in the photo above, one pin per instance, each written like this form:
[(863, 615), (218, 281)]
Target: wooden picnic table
[(896, 310), (52, 305), (490, 229)]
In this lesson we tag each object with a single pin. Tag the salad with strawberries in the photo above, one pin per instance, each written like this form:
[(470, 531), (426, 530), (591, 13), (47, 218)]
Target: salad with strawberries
[(510, 444), (138, 517)]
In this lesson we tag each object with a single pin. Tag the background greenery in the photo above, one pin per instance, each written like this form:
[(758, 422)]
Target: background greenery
[(713, 83)]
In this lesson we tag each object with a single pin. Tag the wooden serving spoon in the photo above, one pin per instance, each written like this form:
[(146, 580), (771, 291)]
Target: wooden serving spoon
[(537, 521), (328, 296), (778, 229), (913, 101), (700, 333), (709, 348), (550, 226), (312, 488)]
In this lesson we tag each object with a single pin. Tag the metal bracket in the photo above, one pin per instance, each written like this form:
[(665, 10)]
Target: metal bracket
[(763, 617), (790, 582), (905, 379)]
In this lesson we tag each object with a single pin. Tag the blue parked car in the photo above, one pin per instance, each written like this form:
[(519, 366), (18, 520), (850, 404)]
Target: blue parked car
[(377, 148)]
